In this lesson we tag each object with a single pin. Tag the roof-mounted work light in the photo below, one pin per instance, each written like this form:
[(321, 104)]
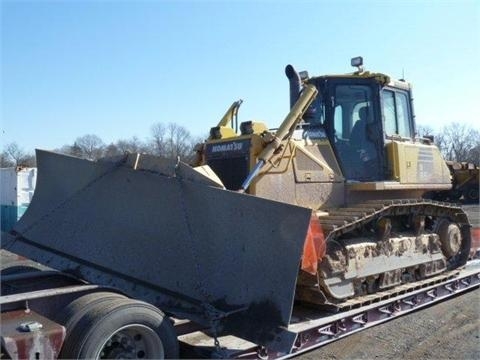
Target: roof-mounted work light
[(358, 62)]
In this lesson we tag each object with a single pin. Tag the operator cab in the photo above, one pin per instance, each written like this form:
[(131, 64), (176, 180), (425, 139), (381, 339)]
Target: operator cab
[(360, 113)]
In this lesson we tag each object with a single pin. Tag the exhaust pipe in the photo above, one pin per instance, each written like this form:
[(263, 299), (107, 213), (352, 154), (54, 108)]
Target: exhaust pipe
[(295, 84)]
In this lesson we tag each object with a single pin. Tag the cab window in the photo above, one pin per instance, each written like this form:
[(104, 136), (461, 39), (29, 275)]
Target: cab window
[(404, 129), (396, 114), (338, 121), (353, 131), (389, 112), (349, 99)]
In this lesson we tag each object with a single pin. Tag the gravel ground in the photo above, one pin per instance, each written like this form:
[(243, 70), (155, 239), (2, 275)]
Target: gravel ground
[(447, 330)]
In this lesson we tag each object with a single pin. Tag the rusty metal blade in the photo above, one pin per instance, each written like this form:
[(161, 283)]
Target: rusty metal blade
[(196, 250)]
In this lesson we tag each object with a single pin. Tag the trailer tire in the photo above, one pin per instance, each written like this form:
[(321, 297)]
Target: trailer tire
[(75, 310), (121, 328)]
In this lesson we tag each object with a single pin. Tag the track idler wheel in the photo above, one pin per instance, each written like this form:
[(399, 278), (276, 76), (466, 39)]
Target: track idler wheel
[(450, 238)]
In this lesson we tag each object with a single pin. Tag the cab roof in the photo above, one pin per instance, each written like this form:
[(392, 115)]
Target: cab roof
[(383, 79)]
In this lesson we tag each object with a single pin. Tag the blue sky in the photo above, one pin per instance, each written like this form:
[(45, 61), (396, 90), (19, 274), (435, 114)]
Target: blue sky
[(114, 68)]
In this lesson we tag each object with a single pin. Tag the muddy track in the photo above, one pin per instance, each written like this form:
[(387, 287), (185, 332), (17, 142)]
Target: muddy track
[(448, 330), (344, 220)]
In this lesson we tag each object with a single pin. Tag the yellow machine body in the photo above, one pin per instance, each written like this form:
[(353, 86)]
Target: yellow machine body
[(326, 209), (348, 150)]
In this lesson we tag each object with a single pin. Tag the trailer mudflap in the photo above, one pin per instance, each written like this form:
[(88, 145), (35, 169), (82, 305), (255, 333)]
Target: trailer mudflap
[(161, 233)]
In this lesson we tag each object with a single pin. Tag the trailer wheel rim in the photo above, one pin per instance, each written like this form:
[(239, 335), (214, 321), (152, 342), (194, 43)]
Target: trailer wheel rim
[(133, 341)]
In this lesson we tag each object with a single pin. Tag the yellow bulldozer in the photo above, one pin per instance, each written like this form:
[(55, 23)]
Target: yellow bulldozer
[(327, 210), (348, 151)]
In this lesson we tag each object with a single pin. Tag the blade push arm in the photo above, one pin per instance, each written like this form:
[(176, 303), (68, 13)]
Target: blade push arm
[(292, 119)]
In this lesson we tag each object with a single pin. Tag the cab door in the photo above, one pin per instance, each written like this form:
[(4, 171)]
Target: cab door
[(357, 129)]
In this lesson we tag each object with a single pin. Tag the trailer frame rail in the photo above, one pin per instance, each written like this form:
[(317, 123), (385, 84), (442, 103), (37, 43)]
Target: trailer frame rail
[(315, 329)]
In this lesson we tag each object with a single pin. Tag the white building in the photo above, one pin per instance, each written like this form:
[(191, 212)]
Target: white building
[(16, 190)]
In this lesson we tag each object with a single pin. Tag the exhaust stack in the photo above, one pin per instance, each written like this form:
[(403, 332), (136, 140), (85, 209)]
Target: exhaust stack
[(295, 84)]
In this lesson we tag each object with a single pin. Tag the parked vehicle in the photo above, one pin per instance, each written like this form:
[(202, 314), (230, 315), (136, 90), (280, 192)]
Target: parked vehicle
[(465, 183)]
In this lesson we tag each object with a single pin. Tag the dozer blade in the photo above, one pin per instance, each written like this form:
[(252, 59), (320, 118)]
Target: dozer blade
[(166, 234)]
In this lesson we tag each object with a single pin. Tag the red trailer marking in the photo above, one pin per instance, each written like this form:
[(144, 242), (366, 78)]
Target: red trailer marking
[(28, 335)]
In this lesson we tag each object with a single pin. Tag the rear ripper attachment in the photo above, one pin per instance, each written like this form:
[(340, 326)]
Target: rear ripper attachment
[(379, 245)]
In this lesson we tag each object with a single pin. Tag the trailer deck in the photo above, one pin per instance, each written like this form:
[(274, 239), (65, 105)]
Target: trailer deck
[(318, 328)]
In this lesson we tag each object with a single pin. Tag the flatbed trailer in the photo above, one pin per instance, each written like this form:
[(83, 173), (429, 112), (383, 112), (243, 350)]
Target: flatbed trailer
[(33, 293), (106, 270), (318, 328)]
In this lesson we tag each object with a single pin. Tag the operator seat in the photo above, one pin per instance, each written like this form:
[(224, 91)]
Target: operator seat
[(358, 135), (363, 163)]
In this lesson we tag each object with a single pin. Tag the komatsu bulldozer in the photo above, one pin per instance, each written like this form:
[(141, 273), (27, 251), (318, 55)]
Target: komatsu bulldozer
[(327, 209), (349, 152)]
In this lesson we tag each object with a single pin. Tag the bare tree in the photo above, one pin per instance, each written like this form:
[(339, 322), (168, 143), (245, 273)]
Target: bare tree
[(171, 141), (69, 150), (111, 150), (459, 142), (178, 141), (474, 155), (424, 130), (14, 155), (158, 139), (30, 160), (88, 146), (5, 160), (132, 145)]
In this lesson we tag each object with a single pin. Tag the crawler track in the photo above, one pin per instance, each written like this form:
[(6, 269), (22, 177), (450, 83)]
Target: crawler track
[(360, 220), (343, 220)]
